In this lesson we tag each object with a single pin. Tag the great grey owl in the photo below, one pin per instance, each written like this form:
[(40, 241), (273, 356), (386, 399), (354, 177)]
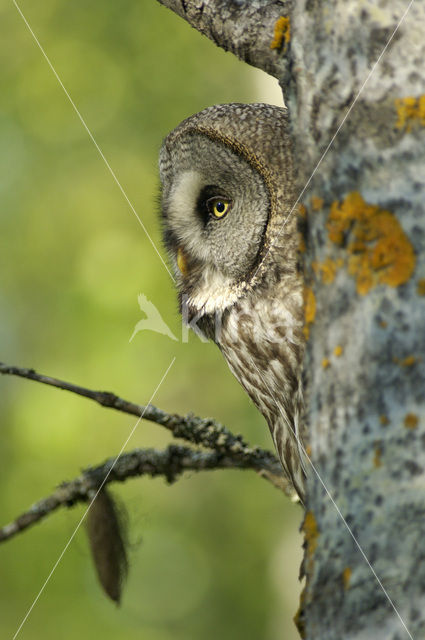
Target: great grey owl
[(226, 199)]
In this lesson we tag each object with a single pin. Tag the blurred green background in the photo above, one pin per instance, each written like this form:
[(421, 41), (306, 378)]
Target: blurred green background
[(216, 555)]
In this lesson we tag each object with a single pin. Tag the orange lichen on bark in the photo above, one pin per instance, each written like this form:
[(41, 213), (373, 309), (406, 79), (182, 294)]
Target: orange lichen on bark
[(310, 305), (301, 243), (302, 210), (420, 287), (309, 309), (383, 324), (316, 203), (311, 533), (327, 269), (411, 421), (299, 617), (282, 33), (410, 112), (377, 462), (346, 576), (338, 351), (379, 250), (384, 420), (326, 363), (409, 361)]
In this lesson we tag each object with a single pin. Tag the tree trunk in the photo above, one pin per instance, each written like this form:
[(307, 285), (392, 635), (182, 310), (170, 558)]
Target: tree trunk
[(353, 79), (366, 355)]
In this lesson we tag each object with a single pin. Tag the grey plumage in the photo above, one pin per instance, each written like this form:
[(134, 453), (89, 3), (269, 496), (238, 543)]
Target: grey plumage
[(227, 192)]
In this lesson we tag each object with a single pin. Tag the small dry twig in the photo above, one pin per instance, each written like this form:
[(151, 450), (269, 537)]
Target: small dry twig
[(229, 451), (204, 431)]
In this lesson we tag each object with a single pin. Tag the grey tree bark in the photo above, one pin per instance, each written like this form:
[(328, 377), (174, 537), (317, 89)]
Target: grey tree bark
[(353, 78)]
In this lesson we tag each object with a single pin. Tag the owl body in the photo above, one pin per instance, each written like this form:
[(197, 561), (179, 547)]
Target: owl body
[(227, 194)]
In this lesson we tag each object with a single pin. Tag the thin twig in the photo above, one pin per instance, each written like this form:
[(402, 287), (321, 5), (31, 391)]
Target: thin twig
[(170, 463), (228, 451), (204, 431)]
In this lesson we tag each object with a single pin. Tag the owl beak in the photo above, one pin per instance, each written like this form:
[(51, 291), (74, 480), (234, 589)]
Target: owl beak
[(182, 261)]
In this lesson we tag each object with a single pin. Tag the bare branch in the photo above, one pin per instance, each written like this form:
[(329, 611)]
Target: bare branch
[(229, 452), (170, 463), (256, 32), (204, 431)]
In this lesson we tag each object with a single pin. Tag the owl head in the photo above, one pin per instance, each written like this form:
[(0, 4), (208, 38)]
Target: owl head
[(226, 192)]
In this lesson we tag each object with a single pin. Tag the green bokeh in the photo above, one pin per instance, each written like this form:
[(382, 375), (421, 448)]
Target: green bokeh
[(219, 552)]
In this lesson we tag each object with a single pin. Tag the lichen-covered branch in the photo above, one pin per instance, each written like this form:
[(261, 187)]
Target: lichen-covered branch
[(170, 464), (229, 451), (257, 31), (200, 431)]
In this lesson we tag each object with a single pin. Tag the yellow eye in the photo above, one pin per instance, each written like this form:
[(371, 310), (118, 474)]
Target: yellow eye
[(218, 207)]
